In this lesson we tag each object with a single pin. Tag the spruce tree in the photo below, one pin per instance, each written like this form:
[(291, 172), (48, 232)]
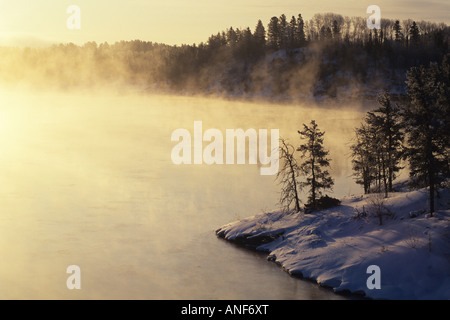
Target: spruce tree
[(273, 34), (300, 32), (398, 35), (414, 33), (260, 35), (364, 158), (385, 120), (426, 118), (232, 37), (315, 163), (292, 29), (283, 28)]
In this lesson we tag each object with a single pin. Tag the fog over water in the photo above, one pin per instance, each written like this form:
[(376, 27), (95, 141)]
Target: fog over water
[(87, 179)]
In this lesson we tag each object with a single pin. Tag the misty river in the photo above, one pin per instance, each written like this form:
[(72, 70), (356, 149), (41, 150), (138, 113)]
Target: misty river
[(87, 179)]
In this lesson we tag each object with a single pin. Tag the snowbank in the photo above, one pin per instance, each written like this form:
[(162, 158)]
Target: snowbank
[(336, 246)]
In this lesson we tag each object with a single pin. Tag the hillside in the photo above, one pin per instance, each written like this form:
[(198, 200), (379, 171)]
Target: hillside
[(328, 56)]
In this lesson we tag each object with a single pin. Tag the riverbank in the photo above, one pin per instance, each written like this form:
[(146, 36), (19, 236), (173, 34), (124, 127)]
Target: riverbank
[(335, 247)]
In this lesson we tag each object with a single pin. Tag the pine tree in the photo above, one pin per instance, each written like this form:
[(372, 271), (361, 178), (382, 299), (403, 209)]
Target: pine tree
[(426, 118), (245, 49), (364, 158), (444, 100), (316, 160), (283, 27), (273, 34), (231, 37), (292, 40), (398, 35), (414, 33), (385, 120), (377, 153), (379, 149), (260, 35), (300, 32)]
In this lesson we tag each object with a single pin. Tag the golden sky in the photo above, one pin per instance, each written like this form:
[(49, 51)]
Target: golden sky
[(178, 21)]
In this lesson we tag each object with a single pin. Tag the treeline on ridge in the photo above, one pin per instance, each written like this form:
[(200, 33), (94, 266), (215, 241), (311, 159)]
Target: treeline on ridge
[(328, 55)]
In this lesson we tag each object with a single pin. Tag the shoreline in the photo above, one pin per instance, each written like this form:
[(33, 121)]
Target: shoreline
[(335, 247), (298, 276)]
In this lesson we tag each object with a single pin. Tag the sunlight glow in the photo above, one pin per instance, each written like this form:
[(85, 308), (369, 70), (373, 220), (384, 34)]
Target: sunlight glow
[(175, 21)]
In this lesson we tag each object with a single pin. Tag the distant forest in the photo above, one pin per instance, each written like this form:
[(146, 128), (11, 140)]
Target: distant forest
[(327, 56)]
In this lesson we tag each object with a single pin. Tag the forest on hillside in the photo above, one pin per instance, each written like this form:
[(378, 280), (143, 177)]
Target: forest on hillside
[(329, 55)]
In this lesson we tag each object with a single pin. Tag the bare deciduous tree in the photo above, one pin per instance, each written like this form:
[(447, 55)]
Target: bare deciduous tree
[(287, 176)]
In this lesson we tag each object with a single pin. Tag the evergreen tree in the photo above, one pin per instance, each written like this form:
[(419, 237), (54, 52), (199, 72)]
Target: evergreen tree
[(245, 48), (231, 37), (283, 28), (300, 32), (273, 34), (316, 160), (414, 33), (388, 139), (260, 35), (398, 35), (426, 118), (292, 29), (364, 158)]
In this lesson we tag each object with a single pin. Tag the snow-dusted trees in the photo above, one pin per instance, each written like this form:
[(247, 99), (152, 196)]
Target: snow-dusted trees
[(315, 161), (337, 53), (363, 158), (385, 121), (308, 170), (427, 121), (378, 147)]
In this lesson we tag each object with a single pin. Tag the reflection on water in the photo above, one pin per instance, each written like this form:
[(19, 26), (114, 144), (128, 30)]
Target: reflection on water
[(88, 180)]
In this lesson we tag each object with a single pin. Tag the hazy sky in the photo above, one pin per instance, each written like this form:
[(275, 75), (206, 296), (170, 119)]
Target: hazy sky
[(180, 21)]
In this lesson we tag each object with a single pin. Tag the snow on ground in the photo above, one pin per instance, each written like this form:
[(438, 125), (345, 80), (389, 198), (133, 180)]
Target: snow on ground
[(336, 246)]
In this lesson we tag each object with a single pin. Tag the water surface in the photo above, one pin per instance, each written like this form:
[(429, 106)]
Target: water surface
[(87, 179)]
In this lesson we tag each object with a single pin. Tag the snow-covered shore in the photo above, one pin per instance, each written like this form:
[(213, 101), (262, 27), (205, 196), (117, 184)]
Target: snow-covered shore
[(336, 246)]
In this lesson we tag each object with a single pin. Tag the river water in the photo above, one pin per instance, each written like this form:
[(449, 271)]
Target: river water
[(87, 179)]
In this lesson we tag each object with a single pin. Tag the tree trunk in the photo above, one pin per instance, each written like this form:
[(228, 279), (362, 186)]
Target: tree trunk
[(313, 185), (390, 164), (384, 178), (430, 172), (365, 181), (297, 202), (313, 166)]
